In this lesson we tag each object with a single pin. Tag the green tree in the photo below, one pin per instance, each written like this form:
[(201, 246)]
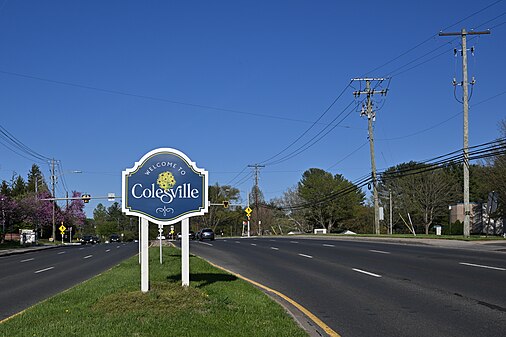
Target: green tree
[(36, 180), (331, 200)]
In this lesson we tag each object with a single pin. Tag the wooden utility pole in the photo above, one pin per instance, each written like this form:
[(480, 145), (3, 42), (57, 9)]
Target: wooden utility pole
[(465, 102), (53, 183), (257, 171), (368, 111)]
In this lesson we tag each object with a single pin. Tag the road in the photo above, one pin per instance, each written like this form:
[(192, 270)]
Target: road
[(373, 288), (26, 279)]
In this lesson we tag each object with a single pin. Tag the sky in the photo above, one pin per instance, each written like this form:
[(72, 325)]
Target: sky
[(98, 84)]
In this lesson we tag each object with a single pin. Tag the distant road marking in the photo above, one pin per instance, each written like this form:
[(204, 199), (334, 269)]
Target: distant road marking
[(306, 312), (275, 248), (304, 255), (272, 240), (87, 257), (118, 246), (378, 251), (294, 242), (326, 245), (43, 270), (108, 250), (366, 272), (253, 244), (236, 241), (205, 243), (27, 260), (81, 248), (61, 253), (481, 266)]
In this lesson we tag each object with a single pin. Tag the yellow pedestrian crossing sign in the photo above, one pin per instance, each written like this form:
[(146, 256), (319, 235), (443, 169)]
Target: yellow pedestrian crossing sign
[(248, 211)]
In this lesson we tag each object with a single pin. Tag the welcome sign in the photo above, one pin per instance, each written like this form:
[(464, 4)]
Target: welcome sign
[(165, 187)]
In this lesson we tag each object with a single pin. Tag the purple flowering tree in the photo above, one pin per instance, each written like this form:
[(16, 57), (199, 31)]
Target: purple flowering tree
[(73, 214)]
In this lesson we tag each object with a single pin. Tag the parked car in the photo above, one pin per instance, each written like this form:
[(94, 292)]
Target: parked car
[(192, 235), (158, 237), (206, 234), (114, 238), (89, 239)]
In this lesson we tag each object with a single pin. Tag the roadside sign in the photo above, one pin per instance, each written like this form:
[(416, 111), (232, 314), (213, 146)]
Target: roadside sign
[(248, 210), (164, 187), (111, 196), (62, 228)]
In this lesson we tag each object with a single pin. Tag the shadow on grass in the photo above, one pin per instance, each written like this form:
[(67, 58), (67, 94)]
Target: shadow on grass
[(204, 279)]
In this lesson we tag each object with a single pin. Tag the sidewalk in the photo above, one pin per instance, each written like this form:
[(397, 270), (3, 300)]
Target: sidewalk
[(22, 250)]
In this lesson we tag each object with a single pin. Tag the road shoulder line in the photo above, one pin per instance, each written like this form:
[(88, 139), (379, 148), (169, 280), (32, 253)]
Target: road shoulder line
[(290, 301)]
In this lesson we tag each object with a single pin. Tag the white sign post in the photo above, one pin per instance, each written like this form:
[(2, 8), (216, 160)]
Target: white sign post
[(144, 255), (185, 252), (160, 231)]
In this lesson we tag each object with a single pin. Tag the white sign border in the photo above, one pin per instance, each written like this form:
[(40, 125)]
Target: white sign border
[(137, 164)]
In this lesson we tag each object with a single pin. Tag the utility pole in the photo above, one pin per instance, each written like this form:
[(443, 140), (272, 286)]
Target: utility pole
[(465, 101), (257, 169), (371, 116), (53, 183)]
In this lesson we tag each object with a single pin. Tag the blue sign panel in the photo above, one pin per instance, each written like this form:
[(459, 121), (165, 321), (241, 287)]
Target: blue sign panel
[(165, 186)]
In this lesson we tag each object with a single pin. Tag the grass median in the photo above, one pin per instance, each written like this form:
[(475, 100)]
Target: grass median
[(111, 304)]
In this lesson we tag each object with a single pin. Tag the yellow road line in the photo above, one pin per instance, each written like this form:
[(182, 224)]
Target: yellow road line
[(308, 313)]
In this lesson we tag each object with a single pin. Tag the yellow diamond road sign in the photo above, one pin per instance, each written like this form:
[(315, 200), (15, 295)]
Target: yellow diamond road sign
[(62, 228), (248, 210)]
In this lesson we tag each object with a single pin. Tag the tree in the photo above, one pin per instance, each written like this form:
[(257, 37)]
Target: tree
[(420, 190), (74, 213), (331, 200), (18, 188), (219, 217), (36, 182)]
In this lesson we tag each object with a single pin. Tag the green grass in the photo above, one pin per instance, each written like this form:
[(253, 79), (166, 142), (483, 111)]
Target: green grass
[(10, 245), (111, 304)]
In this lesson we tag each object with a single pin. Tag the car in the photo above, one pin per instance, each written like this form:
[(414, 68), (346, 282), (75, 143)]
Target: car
[(192, 235), (178, 236), (114, 238), (206, 233), (158, 237), (89, 239)]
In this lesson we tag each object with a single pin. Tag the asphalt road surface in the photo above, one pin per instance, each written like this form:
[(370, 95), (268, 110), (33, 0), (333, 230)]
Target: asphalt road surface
[(26, 279), (376, 289)]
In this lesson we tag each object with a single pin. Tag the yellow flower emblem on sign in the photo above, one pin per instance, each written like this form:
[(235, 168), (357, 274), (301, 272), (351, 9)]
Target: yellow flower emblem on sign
[(166, 180)]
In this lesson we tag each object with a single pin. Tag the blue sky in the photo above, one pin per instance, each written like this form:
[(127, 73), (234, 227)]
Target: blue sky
[(97, 84)]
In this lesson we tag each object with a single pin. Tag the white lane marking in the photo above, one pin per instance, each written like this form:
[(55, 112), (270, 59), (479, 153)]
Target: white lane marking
[(481, 266), (366, 272), (61, 253), (81, 248), (26, 260), (43, 270), (294, 242), (236, 241), (108, 250), (326, 245), (205, 243), (87, 257), (272, 240), (118, 246), (378, 251), (224, 240), (253, 244), (275, 248), (304, 255)]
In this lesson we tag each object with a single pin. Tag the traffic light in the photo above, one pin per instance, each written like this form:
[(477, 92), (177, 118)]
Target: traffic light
[(86, 198), (225, 203)]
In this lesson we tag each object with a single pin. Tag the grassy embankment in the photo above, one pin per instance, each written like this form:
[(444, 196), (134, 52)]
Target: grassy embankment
[(111, 304)]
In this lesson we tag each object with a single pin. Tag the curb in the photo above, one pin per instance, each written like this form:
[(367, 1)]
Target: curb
[(9, 252)]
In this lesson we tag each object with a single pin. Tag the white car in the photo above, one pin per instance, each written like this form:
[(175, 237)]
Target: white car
[(158, 237)]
